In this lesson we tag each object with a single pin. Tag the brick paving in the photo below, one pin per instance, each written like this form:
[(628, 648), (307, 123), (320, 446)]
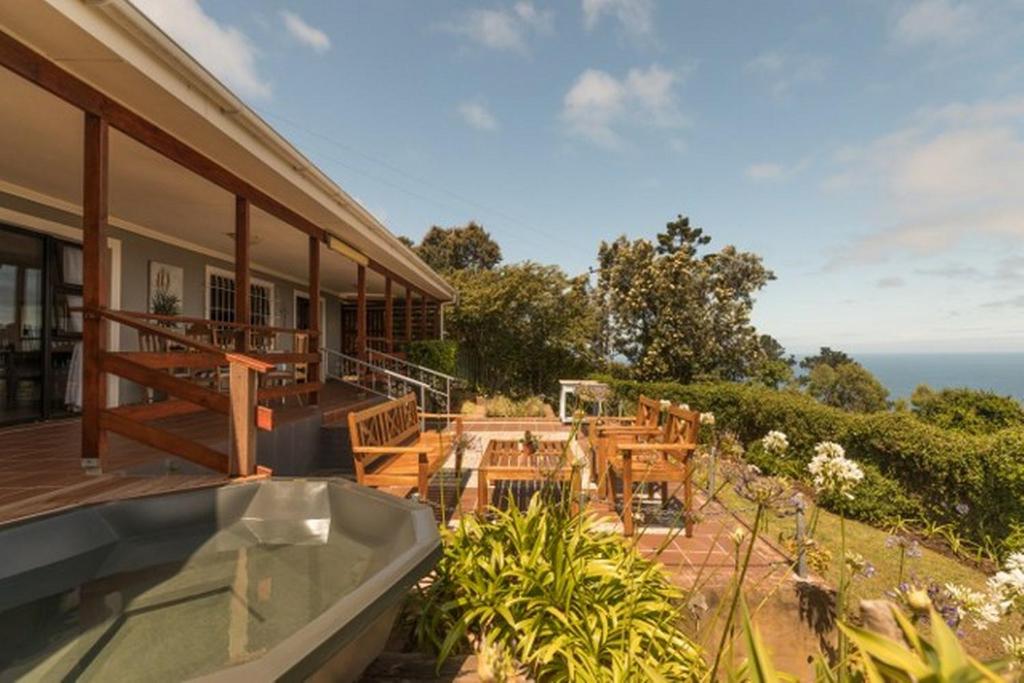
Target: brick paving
[(705, 561)]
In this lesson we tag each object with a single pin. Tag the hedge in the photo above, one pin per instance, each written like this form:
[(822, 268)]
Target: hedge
[(935, 470)]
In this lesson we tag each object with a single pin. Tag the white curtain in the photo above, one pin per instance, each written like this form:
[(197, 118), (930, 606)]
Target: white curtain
[(73, 391)]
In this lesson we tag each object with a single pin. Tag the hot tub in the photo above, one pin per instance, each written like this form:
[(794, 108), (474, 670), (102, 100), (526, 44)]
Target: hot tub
[(273, 580)]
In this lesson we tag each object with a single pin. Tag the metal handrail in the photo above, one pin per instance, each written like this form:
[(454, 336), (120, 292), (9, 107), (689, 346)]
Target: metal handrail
[(396, 359), (375, 368), (394, 380)]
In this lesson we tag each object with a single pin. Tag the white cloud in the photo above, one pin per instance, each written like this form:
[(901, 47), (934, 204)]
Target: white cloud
[(224, 50), (599, 104), (765, 171), (307, 35), (781, 72), (890, 282), (935, 22), (477, 115), (954, 173), (772, 171), (635, 16), (502, 29)]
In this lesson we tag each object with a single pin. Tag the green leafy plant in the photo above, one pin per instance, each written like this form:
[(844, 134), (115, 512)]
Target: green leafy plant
[(165, 303), (436, 354), (938, 657), (572, 603)]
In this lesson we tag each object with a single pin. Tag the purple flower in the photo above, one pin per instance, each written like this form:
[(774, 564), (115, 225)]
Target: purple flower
[(962, 508)]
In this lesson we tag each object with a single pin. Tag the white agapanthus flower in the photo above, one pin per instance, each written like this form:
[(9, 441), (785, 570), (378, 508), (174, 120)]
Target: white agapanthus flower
[(775, 442), (684, 406), (1014, 561), (1008, 587), (1014, 648), (980, 607), (830, 449), (832, 471), (707, 419)]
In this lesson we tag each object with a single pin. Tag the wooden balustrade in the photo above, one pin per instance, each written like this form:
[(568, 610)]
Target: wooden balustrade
[(241, 403)]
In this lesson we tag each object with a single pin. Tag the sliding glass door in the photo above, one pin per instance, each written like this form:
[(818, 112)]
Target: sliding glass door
[(40, 282), (21, 326)]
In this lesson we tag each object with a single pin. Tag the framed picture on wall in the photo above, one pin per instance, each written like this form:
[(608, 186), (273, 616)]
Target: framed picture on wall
[(166, 288)]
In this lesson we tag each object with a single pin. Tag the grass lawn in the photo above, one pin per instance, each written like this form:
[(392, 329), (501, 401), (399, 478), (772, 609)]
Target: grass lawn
[(870, 542)]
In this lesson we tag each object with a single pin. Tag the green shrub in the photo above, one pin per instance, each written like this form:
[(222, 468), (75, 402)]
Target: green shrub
[(936, 469), (436, 354), (969, 410), (879, 500), (571, 603), (503, 406)]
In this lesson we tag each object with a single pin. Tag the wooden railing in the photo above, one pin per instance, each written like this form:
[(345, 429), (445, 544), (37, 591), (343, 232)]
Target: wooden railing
[(240, 403), (248, 329)]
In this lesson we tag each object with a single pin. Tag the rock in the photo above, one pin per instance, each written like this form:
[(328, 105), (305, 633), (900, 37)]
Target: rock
[(876, 615)]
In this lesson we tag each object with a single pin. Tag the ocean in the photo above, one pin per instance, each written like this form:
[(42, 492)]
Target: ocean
[(1002, 373)]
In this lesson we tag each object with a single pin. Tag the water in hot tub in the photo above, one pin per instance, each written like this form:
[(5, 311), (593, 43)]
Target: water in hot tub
[(180, 613)]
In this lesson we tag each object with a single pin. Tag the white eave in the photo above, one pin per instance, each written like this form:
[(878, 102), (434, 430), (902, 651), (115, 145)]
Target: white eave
[(119, 27)]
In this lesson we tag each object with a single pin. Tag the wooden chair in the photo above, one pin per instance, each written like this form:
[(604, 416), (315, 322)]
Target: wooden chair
[(389, 449), (214, 378), (665, 460), (151, 343), (297, 373), (611, 430)]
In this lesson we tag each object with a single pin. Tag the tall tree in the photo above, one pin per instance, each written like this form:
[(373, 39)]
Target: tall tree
[(774, 368), (848, 386), (522, 327), (676, 314), (826, 356), (469, 247)]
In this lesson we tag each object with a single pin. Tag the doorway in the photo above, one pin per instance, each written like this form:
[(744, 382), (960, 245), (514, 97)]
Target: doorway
[(40, 284)]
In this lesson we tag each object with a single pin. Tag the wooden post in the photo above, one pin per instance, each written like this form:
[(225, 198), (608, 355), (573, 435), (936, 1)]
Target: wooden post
[(313, 375), (389, 316), (94, 289), (361, 313), (408, 314), (242, 289), (424, 334), (242, 430)]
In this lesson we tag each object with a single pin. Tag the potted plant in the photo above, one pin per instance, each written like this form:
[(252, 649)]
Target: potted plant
[(530, 443)]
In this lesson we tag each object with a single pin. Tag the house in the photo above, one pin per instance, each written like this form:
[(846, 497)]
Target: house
[(165, 253)]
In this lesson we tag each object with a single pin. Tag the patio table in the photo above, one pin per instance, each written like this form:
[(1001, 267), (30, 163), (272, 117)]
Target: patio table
[(507, 460)]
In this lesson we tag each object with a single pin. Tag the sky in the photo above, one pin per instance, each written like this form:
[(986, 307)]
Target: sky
[(872, 152)]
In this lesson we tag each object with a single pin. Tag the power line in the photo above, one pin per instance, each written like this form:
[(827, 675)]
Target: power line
[(410, 176)]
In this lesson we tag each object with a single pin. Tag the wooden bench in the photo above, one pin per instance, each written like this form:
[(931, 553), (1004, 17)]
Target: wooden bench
[(389, 449)]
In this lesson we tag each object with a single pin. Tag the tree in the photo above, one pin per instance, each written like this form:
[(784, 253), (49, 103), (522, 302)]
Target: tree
[(459, 248), (675, 314), (826, 356), (522, 327), (848, 386), (774, 369), (969, 410)]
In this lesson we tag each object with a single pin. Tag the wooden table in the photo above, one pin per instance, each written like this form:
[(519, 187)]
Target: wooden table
[(506, 460)]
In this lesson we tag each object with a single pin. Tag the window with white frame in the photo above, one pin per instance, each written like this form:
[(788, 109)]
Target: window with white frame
[(220, 298)]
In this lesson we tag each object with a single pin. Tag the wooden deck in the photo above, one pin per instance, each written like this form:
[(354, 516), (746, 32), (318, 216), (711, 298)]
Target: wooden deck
[(41, 469)]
